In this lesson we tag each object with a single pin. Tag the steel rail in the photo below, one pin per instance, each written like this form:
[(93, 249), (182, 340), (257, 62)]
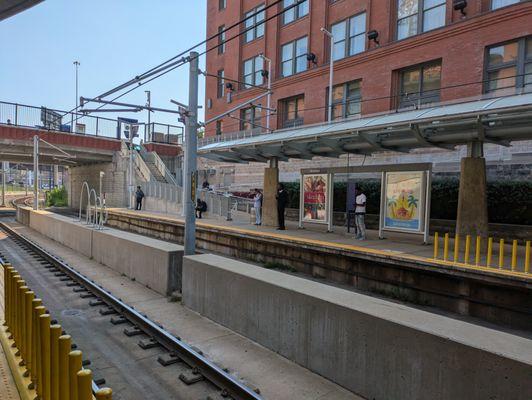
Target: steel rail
[(210, 371)]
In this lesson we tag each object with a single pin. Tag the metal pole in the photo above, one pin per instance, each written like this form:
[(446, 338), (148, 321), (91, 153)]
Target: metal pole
[(36, 172), (27, 181), (190, 156), (148, 103), (331, 72), (130, 178), (3, 184), (269, 100), (76, 65)]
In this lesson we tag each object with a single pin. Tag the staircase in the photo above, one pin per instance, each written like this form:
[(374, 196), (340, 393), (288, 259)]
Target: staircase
[(155, 171)]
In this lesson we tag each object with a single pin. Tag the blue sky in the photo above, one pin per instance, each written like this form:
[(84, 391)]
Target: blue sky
[(114, 40)]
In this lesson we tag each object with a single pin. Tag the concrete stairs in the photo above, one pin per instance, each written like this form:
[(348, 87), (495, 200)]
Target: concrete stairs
[(155, 171)]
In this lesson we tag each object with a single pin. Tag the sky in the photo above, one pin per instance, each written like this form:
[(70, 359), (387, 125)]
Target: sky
[(114, 40)]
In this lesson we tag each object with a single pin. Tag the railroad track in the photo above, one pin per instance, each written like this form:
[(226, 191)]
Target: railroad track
[(195, 377)]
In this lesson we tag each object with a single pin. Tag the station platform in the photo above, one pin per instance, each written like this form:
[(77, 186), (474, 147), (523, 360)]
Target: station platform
[(394, 245)]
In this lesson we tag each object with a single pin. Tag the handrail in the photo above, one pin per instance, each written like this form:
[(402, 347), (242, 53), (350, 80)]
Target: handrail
[(83, 185)]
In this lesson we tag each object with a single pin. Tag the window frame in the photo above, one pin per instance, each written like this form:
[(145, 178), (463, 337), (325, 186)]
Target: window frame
[(220, 83), (219, 127), (294, 57), (345, 100), (254, 122), (222, 5), (507, 5), (221, 39), (418, 102), (420, 18), (520, 64), (254, 27), (296, 11), (347, 37), (292, 122), (254, 72)]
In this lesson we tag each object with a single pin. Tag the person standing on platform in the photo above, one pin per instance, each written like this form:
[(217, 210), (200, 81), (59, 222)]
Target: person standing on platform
[(360, 212), (282, 201), (257, 204), (139, 195)]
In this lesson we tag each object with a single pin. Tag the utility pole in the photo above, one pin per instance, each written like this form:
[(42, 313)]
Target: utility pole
[(36, 172), (148, 104), (3, 184), (269, 101), (191, 132), (130, 180), (76, 64), (331, 71)]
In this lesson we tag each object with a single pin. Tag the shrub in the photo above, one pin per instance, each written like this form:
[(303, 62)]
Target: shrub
[(57, 197)]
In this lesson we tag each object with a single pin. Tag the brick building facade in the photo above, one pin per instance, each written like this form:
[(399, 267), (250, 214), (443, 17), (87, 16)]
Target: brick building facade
[(427, 52)]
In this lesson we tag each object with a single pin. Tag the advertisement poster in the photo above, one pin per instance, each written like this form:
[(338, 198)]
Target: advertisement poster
[(404, 201), (315, 198)]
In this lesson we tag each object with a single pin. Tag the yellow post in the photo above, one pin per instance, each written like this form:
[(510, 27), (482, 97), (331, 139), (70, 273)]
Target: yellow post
[(14, 278), (16, 310), (28, 315), (477, 251), (55, 332), (467, 246), (74, 366), (490, 252), (446, 247), (104, 394), (65, 342), (501, 254), (7, 284), (38, 310), (514, 255), (84, 384), (22, 320), (436, 243), (456, 248), (44, 323), (527, 257)]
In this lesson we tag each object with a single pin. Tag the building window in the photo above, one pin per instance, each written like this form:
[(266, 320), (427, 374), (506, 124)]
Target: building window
[(495, 4), (220, 83), (420, 85), (253, 71), (292, 112), (294, 13), (349, 36), (509, 65), (219, 127), (254, 23), (249, 118), (222, 4), (294, 57), (221, 39), (346, 100), (416, 16)]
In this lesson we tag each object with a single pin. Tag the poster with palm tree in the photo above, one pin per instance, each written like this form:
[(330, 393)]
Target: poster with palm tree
[(404, 201)]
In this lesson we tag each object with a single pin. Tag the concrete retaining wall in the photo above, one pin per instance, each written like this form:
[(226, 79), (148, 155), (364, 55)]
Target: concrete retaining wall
[(376, 348), (151, 262)]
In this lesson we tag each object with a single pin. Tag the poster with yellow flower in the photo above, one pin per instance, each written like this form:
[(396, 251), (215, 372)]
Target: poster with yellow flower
[(404, 202)]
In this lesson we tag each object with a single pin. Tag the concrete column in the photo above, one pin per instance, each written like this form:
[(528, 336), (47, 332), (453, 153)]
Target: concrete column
[(472, 216), (269, 203)]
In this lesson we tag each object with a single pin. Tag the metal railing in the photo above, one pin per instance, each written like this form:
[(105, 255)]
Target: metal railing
[(74, 122), (224, 204), (230, 136), (164, 191)]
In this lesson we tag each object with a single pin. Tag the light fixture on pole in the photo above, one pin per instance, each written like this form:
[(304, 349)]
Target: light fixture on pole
[(269, 100), (76, 66), (331, 72)]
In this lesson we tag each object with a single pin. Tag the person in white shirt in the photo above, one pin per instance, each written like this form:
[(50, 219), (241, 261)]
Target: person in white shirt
[(257, 204), (360, 212)]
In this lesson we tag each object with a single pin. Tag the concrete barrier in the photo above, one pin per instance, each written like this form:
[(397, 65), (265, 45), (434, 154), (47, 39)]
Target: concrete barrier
[(151, 262), (373, 347), (23, 215)]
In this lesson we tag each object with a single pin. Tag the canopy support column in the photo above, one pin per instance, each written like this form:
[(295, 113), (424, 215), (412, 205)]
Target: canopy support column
[(269, 202)]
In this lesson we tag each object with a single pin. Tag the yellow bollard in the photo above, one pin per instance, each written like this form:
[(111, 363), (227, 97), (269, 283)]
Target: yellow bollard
[(65, 343), (19, 284), (527, 257), (37, 311), (104, 394), (501, 254), (490, 252), (84, 378), (7, 292), (74, 366), (27, 335), (456, 248), (477, 251), (446, 247), (55, 332), (436, 243), (514, 255), (14, 278), (44, 323), (466, 251), (22, 320)]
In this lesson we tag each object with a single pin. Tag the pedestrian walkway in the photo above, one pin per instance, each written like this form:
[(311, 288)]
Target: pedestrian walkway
[(8, 388), (394, 244)]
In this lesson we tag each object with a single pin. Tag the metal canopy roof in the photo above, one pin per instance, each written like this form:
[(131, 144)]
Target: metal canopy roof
[(495, 120), (9, 8)]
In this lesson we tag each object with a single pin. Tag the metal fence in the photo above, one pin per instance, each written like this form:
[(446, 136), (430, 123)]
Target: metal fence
[(71, 122), (164, 191), (224, 204)]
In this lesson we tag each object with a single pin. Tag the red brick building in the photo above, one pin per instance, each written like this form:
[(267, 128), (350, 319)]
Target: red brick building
[(425, 52)]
